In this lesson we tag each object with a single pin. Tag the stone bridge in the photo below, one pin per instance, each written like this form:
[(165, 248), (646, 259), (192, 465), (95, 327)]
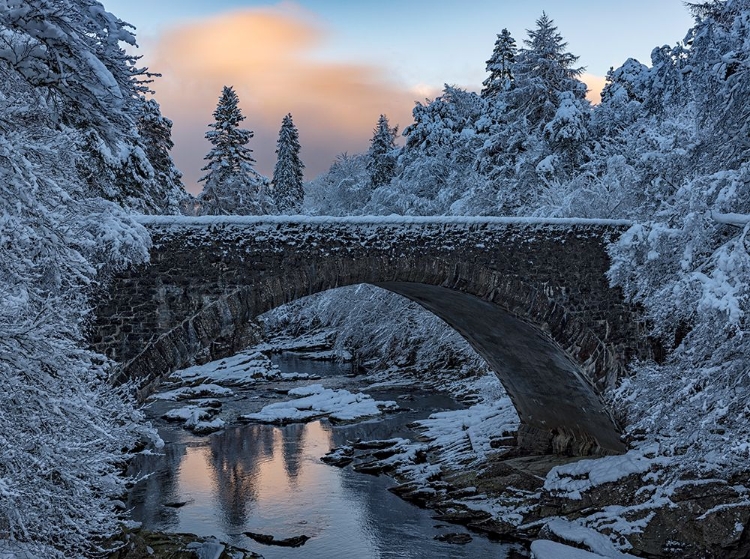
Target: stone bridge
[(530, 296)]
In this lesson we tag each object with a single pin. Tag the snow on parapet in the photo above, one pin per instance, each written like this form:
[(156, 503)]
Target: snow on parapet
[(248, 220)]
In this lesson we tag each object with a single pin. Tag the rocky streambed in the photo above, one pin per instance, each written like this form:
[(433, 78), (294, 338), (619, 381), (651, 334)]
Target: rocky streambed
[(455, 457)]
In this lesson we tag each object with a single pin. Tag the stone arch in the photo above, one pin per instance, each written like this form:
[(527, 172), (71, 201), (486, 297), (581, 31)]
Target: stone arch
[(198, 296), (551, 365)]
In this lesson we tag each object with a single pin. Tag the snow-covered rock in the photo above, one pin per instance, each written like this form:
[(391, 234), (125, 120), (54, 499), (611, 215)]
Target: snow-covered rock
[(316, 401)]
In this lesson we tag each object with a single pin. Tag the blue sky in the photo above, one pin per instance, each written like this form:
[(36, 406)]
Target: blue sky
[(378, 56), (437, 41)]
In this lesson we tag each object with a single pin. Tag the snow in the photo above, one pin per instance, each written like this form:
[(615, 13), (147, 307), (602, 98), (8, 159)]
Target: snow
[(197, 417), (591, 539), (468, 433), (191, 414), (571, 480), (546, 549), (275, 220), (210, 549), (243, 369), (190, 392), (315, 401), (738, 220)]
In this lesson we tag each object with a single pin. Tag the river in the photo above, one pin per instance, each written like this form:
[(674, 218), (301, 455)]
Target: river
[(268, 479)]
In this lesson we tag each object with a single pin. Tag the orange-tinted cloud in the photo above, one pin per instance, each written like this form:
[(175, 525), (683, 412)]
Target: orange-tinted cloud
[(595, 85), (267, 55)]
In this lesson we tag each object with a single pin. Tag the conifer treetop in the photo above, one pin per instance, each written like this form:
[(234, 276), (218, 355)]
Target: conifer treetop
[(500, 66), (230, 152), (288, 192), (382, 164)]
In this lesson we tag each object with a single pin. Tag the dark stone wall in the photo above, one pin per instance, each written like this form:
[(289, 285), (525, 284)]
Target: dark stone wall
[(207, 279)]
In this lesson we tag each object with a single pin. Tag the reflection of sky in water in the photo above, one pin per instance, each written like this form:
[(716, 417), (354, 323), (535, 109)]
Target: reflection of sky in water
[(270, 480), (260, 478)]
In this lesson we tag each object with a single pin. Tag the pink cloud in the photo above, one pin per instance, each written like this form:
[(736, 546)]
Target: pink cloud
[(595, 85), (266, 55)]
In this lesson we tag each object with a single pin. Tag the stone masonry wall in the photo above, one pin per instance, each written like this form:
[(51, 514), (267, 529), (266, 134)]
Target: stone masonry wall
[(208, 278)]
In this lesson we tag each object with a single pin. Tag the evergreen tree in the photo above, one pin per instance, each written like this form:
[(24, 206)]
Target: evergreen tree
[(381, 164), (155, 131), (288, 193), (500, 66), (436, 165), (69, 52), (543, 70), (539, 132), (232, 185)]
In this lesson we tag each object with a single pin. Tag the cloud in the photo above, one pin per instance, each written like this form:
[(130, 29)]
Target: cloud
[(595, 85), (268, 55)]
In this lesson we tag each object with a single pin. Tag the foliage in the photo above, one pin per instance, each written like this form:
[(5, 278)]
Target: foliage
[(288, 192), (343, 190), (75, 130), (500, 66), (62, 426), (381, 162), (232, 185), (70, 52)]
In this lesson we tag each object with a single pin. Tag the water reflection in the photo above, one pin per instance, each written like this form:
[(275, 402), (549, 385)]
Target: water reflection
[(270, 480), (292, 444)]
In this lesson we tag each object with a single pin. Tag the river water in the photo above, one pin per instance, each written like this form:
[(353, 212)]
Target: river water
[(270, 480)]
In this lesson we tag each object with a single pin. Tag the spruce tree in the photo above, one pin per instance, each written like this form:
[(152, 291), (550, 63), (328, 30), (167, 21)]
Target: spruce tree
[(500, 66), (155, 131), (381, 164), (232, 185), (543, 70), (288, 193)]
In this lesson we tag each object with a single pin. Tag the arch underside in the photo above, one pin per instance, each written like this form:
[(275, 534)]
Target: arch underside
[(549, 391), (559, 407)]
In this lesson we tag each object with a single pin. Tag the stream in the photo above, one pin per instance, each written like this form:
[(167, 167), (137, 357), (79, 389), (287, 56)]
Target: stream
[(269, 479)]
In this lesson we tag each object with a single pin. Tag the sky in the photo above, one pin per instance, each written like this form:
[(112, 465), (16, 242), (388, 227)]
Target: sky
[(337, 65)]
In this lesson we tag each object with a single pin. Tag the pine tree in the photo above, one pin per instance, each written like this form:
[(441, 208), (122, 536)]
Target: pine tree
[(232, 185), (381, 164), (155, 131), (288, 193), (543, 70), (539, 132), (500, 66)]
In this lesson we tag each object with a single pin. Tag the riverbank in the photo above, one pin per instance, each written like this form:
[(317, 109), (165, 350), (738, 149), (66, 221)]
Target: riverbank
[(463, 465), (261, 473)]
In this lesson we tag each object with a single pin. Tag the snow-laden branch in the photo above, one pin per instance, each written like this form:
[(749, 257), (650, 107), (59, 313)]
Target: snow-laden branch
[(738, 220)]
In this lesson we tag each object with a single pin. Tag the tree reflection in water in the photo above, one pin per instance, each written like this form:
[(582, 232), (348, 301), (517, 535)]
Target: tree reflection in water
[(268, 479)]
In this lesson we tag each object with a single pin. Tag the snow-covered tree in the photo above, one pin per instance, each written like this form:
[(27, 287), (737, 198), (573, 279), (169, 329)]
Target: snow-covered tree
[(500, 66), (436, 166), (544, 70), (232, 185), (64, 430), (539, 133), (155, 131), (686, 260), (381, 164), (288, 192), (70, 50), (343, 190)]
